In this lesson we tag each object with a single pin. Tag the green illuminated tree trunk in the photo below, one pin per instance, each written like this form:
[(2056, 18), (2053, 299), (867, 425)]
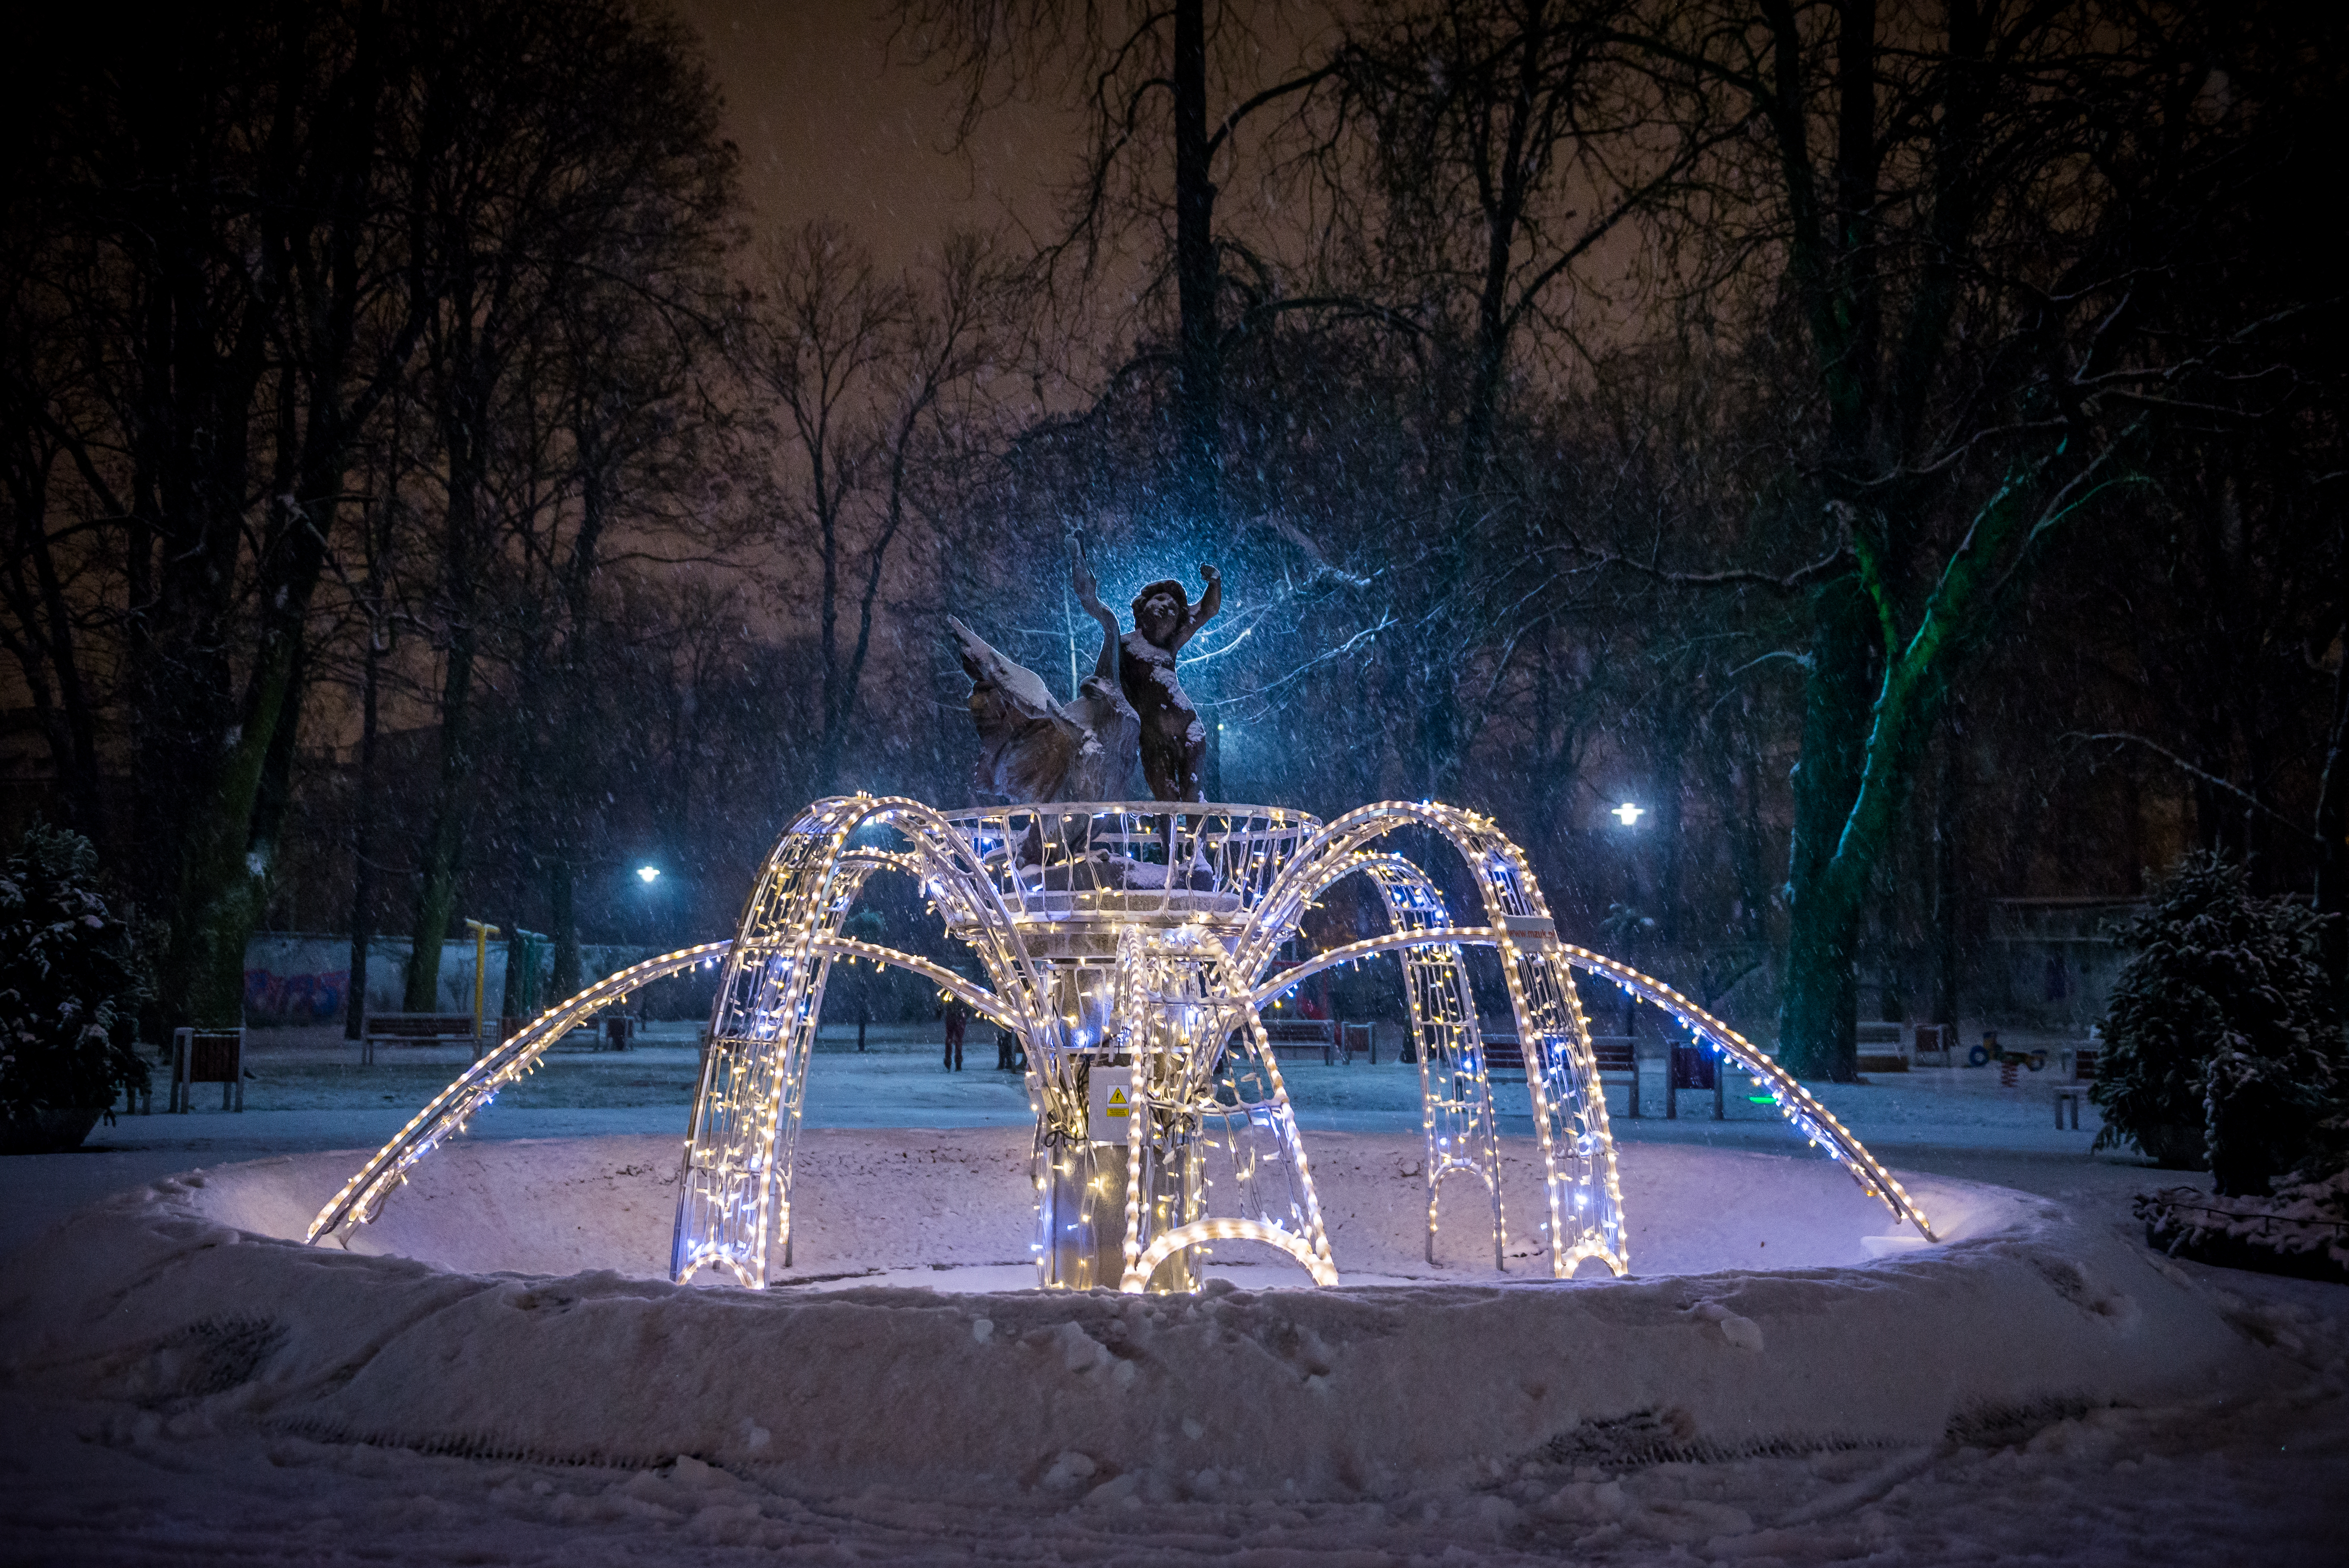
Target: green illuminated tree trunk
[(1826, 879)]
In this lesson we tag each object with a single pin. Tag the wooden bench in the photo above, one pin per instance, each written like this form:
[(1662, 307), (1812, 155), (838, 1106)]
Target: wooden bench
[(1619, 1057), (606, 1031), (414, 1030), (1317, 1036), (1505, 1062), (1693, 1065), (1880, 1049), (207, 1055), (2068, 1098)]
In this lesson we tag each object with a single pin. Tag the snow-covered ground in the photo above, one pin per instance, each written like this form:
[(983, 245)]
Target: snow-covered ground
[(181, 1387)]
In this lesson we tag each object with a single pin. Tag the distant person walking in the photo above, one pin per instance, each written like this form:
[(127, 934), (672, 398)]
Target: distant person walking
[(958, 1019)]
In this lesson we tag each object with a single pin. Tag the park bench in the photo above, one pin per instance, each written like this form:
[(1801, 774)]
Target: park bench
[(1317, 1037), (1505, 1062), (207, 1055), (1694, 1066), (1878, 1048), (414, 1030), (2068, 1096), (606, 1031)]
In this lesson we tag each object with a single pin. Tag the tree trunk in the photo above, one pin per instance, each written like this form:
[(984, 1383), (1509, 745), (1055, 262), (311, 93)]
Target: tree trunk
[(1948, 897), (2332, 842), (222, 867), (1818, 1009), (563, 917), (273, 798), (518, 998), (1671, 760), (436, 897), (77, 766), (363, 847), (1199, 403)]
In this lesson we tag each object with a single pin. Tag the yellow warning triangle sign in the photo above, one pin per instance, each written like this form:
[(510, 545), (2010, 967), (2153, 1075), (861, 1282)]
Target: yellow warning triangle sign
[(1117, 1105)]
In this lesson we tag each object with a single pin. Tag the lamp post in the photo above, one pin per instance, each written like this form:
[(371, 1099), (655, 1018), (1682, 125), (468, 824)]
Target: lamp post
[(482, 935), (648, 878)]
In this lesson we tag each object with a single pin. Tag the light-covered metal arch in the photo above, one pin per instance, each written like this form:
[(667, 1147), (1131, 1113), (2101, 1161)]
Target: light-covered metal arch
[(1811, 1118), (1456, 1093), (734, 1193), (1584, 1193), (452, 1108)]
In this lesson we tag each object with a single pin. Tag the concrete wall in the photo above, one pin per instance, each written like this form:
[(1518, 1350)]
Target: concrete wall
[(298, 978)]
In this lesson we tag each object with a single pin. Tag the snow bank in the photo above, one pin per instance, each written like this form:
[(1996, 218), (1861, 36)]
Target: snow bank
[(953, 1203), (187, 1296)]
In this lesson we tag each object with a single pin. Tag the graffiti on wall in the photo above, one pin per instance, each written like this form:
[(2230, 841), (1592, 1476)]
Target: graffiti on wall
[(312, 998)]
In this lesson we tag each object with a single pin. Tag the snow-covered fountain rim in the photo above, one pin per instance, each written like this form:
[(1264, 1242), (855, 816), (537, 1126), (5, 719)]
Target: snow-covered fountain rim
[(1335, 1392), (266, 1198)]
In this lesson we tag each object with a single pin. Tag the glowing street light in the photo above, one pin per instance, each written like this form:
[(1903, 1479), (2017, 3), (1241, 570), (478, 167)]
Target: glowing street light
[(1628, 814), (649, 874)]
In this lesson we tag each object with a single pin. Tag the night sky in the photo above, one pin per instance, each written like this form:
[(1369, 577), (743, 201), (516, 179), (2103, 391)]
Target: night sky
[(830, 126)]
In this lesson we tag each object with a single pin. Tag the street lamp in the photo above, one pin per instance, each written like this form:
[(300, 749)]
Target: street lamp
[(649, 874), (1629, 814)]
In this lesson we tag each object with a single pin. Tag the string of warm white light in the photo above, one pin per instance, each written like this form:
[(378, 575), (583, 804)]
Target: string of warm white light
[(1796, 1103), (1167, 1244), (1570, 1108), (1458, 1130), (1137, 939), (449, 1111)]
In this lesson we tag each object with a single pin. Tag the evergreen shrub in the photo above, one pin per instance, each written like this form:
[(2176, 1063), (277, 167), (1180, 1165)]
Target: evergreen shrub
[(2222, 1048), (72, 974)]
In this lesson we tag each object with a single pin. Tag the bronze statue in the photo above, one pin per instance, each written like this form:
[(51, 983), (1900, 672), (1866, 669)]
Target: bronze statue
[(1174, 738), (1040, 749), (1037, 748)]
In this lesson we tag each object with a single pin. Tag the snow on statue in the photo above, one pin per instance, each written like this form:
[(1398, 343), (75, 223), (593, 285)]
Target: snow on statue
[(1174, 741), (1035, 748)]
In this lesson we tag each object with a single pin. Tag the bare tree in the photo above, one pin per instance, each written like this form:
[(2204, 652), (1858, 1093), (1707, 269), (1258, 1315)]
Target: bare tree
[(1983, 227), (1166, 91), (588, 150), (862, 370)]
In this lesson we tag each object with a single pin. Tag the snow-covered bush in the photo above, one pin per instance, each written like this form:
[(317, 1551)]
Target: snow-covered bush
[(2302, 1229), (2220, 1041), (71, 976)]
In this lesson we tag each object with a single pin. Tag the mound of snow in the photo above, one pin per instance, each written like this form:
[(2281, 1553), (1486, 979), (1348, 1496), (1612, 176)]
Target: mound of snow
[(957, 1204), (186, 1298)]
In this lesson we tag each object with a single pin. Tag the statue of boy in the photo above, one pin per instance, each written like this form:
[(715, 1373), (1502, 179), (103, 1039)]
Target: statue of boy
[(1036, 747), (1174, 739), (1039, 748)]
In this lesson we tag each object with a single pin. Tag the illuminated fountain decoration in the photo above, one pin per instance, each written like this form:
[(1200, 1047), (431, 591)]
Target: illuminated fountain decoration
[(1132, 948)]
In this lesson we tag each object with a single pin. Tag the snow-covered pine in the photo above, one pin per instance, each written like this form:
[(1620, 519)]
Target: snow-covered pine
[(70, 974), (2222, 1045)]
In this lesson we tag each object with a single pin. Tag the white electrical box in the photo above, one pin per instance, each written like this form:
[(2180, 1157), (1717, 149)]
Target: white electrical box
[(1109, 1110)]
